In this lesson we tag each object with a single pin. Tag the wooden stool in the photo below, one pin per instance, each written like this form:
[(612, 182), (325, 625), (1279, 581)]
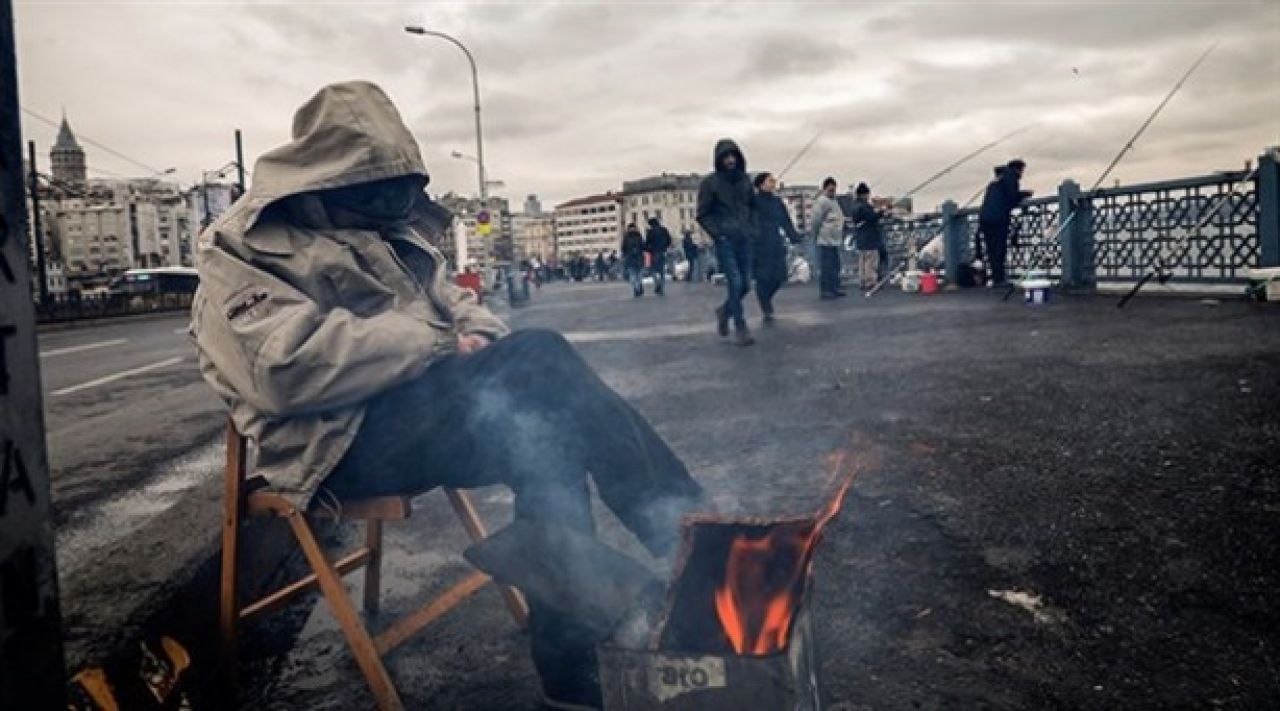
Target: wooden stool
[(244, 497)]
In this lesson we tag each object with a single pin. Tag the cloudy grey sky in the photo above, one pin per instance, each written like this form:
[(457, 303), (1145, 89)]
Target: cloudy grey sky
[(578, 96)]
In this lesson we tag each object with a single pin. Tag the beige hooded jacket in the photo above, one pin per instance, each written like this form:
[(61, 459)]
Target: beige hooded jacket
[(299, 323)]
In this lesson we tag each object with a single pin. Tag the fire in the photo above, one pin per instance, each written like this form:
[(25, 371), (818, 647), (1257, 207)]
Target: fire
[(765, 575)]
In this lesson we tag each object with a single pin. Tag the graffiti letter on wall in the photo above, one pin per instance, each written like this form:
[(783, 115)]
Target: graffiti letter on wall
[(14, 476), (5, 270), (5, 333)]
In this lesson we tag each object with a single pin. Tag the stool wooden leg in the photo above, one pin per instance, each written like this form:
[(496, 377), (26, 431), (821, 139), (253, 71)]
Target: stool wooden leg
[(366, 654), (228, 614), (466, 512), (373, 569), (228, 599)]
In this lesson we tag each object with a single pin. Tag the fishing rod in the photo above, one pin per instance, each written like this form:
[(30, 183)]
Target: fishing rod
[(800, 155), (1035, 261), (903, 263), (906, 260), (1159, 273), (966, 159)]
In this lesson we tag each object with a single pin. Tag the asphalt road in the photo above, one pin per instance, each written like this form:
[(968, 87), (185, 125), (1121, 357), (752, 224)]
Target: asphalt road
[(1070, 507), (134, 469), (120, 399)]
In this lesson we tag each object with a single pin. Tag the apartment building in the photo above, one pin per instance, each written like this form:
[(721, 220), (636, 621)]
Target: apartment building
[(588, 225)]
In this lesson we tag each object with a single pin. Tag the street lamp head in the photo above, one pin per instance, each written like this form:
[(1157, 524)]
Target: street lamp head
[(415, 30)]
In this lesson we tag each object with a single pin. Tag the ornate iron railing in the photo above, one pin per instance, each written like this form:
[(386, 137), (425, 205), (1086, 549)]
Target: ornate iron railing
[(1202, 229), (1034, 230), (1137, 225), (899, 234)]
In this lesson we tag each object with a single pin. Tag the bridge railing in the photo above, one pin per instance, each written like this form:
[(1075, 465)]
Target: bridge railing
[(1202, 229), (1206, 229)]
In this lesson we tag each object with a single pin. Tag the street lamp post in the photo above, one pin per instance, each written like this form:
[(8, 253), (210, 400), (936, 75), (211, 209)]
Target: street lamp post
[(488, 183), (475, 90)]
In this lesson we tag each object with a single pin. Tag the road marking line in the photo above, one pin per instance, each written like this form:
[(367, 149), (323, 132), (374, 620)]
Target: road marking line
[(85, 347), (117, 376), (182, 330)]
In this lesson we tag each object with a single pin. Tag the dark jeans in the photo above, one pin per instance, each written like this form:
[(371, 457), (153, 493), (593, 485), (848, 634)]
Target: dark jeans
[(658, 268), (734, 257), (527, 412), (828, 269), (882, 269), (634, 268), (766, 287), (995, 233), (692, 258)]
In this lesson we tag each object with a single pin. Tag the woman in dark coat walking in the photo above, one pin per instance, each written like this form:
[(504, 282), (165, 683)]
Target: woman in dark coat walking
[(773, 230)]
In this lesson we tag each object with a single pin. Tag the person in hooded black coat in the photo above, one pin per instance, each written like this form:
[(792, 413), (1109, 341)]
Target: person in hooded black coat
[(633, 258), (1002, 195), (725, 200), (774, 230), (657, 240), (690, 255)]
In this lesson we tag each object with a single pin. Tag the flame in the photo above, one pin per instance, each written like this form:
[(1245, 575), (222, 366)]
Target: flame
[(764, 576)]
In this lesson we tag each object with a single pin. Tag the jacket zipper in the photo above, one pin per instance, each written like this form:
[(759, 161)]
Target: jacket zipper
[(432, 296)]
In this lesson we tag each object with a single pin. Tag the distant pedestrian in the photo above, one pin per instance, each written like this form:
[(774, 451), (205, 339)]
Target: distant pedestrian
[(602, 267), (868, 236), (1002, 196), (774, 231), (534, 274), (657, 240), (828, 233), (633, 258), (725, 212), (690, 254), (613, 265)]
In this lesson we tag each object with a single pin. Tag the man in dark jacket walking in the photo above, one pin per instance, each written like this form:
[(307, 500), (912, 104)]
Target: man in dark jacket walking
[(774, 230), (725, 212), (1003, 194), (690, 254), (656, 242), (633, 258)]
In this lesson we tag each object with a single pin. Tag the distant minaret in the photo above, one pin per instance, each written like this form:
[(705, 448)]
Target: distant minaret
[(67, 156)]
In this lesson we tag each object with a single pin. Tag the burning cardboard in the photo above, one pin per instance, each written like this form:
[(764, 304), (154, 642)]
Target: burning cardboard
[(735, 632)]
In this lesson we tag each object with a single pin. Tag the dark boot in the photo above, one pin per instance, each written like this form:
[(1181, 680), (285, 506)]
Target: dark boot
[(564, 655), (742, 336), (722, 322)]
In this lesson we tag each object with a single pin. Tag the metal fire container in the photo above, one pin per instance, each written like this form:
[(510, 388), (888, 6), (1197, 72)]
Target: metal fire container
[(670, 680)]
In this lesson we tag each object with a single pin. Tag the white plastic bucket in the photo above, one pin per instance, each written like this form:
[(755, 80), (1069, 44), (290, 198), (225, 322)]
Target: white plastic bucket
[(1267, 281), (1036, 291)]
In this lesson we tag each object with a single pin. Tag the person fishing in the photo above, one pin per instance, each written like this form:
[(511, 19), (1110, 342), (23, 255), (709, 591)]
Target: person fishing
[(725, 212), (867, 235), (774, 230), (1002, 196), (828, 233)]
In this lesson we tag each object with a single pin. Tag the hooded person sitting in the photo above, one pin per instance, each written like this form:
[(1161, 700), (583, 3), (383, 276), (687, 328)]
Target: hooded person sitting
[(326, 321)]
